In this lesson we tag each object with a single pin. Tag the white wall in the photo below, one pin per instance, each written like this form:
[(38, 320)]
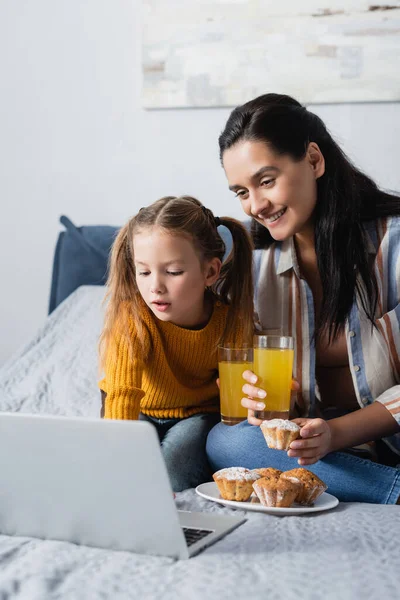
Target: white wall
[(74, 140)]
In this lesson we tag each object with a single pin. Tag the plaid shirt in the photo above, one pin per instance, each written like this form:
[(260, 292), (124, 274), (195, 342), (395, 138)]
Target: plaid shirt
[(284, 302)]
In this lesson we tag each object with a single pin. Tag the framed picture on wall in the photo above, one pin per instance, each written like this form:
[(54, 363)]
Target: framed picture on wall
[(221, 53)]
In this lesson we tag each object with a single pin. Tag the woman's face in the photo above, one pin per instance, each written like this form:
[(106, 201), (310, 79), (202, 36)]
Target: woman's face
[(274, 189)]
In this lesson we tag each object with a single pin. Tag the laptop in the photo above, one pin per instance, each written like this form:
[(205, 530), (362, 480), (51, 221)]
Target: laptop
[(96, 482)]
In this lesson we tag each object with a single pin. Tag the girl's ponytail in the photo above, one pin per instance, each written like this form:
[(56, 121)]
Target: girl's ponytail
[(122, 297), (121, 271), (235, 284)]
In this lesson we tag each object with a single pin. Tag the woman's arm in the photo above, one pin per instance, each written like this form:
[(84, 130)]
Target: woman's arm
[(370, 423), (319, 437)]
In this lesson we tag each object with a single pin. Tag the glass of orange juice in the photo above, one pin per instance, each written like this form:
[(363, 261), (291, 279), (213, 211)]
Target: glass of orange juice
[(273, 364), (232, 362)]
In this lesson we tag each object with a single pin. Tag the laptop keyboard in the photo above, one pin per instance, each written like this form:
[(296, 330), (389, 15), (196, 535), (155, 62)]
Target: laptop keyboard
[(194, 535)]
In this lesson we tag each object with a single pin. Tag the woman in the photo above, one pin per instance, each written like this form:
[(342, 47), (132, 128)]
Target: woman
[(328, 273)]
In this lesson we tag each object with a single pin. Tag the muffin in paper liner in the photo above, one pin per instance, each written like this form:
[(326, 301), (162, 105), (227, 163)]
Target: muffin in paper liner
[(268, 472), (311, 485), (235, 483), (280, 433), (277, 493)]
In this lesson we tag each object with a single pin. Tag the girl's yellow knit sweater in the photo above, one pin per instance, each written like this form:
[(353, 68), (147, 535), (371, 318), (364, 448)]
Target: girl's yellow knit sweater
[(175, 380)]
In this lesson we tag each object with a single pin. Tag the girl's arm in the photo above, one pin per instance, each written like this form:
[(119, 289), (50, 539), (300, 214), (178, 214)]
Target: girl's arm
[(122, 381)]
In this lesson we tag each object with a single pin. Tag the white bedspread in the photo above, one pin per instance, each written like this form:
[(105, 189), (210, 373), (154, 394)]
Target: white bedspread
[(348, 553), (57, 371)]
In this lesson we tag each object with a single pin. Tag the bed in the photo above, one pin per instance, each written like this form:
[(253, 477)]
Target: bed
[(349, 552)]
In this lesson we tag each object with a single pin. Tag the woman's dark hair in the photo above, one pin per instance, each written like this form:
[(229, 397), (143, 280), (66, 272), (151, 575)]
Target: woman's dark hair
[(346, 199)]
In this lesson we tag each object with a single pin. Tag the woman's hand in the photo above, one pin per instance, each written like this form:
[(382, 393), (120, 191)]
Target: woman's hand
[(315, 442), (255, 396)]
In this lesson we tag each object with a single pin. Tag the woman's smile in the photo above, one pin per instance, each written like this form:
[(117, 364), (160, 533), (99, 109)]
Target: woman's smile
[(276, 190)]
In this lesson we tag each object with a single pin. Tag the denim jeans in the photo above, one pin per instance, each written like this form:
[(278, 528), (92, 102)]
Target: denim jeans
[(183, 445), (348, 477)]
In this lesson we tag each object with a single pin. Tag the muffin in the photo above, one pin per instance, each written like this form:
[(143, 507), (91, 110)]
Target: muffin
[(279, 493), (235, 483), (311, 485), (279, 433), (268, 473)]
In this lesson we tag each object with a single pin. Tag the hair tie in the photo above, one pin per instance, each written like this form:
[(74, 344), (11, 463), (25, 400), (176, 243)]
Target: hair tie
[(207, 213)]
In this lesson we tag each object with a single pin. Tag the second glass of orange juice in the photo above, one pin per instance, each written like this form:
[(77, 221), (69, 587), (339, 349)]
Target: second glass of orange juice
[(232, 362), (273, 364)]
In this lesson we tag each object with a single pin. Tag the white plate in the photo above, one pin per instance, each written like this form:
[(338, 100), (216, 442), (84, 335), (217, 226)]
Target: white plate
[(210, 492)]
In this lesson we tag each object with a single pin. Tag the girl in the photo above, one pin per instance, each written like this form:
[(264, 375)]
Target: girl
[(328, 274), (172, 299)]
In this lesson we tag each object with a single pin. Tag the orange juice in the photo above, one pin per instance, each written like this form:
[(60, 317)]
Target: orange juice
[(274, 367), (230, 384)]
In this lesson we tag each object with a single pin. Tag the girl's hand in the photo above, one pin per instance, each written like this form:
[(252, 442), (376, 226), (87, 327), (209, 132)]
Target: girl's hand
[(255, 396), (316, 440)]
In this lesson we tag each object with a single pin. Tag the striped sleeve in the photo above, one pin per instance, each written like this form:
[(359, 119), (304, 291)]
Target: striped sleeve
[(390, 327), (391, 400), (389, 324)]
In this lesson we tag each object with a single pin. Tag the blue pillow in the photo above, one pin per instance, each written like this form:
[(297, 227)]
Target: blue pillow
[(81, 257)]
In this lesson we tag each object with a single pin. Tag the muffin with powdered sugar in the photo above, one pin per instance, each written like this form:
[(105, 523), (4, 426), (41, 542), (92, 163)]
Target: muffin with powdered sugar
[(235, 483), (280, 433)]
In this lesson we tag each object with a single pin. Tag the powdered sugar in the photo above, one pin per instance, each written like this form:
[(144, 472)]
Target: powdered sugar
[(236, 473), (280, 424)]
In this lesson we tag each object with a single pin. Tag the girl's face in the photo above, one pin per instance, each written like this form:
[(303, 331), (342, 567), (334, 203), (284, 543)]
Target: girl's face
[(274, 189), (171, 277)]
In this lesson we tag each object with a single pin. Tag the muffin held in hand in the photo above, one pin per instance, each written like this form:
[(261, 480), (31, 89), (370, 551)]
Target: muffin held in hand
[(268, 473), (311, 485), (235, 483), (280, 433), (279, 493)]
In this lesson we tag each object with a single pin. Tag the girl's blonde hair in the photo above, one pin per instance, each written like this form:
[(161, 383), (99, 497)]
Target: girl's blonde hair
[(181, 216)]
